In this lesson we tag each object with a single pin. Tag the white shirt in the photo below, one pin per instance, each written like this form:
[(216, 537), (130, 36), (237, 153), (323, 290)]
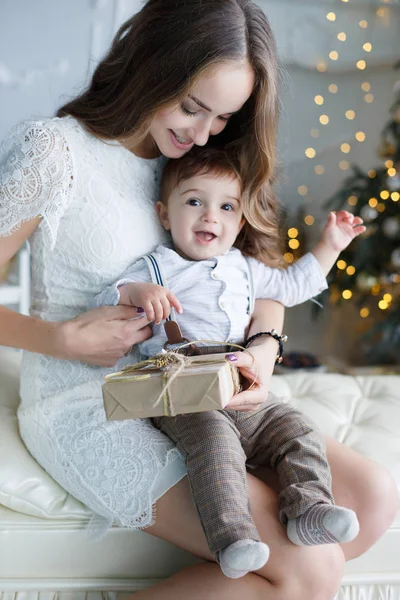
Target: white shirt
[(215, 293)]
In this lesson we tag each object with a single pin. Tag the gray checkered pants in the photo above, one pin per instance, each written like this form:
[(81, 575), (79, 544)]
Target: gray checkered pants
[(217, 445)]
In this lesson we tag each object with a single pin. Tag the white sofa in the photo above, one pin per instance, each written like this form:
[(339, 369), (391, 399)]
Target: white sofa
[(43, 547)]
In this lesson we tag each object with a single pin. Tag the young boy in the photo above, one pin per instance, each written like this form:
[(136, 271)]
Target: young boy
[(210, 284)]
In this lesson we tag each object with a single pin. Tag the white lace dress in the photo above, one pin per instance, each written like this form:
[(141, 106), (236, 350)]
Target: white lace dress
[(97, 203)]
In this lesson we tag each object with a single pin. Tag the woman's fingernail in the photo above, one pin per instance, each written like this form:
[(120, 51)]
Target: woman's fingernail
[(231, 357), (140, 309)]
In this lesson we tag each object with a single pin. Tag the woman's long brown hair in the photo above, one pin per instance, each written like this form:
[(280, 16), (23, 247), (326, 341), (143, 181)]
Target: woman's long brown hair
[(158, 55)]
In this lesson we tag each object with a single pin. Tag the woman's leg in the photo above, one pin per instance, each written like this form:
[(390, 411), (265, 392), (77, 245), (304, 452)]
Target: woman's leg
[(367, 488), (303, 573), (360, 484)]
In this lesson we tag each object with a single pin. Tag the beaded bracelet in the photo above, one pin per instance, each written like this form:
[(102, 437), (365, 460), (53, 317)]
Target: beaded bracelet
[(274, 334)]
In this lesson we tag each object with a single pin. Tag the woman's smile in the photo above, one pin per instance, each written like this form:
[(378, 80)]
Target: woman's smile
[(180, 142)]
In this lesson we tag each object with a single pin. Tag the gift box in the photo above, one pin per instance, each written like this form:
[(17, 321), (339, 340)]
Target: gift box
[(195, 384)]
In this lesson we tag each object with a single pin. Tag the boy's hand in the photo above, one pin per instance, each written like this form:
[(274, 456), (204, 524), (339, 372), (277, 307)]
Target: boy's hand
[(155, 300), (342, 227)]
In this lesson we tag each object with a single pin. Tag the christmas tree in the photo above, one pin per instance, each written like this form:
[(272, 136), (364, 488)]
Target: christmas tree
[(368, 270)]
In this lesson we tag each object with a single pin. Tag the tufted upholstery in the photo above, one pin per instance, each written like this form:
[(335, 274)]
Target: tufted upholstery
[(362, 412)]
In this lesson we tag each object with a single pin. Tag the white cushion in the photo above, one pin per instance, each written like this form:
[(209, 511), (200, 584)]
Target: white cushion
[(364, 414), (24, 486), (361, 412)]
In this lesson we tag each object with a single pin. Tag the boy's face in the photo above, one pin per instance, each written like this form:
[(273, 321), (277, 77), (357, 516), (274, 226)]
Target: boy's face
[(203, 215)]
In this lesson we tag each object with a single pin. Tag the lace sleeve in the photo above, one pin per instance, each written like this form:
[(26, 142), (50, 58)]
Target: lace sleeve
[(36, 177)]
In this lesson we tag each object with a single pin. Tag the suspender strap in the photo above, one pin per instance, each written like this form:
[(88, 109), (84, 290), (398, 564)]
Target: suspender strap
[(171, 326), (250, 308), (158, 277)]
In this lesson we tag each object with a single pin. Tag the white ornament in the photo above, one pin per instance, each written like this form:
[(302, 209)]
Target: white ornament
[(393, 183), (368, 213), (395, 257), (365, 281), (391, 227)]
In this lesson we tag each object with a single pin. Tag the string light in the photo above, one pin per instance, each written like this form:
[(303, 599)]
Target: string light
[(384, 194), (294, 244), (347, 294), (375, 289), (389, 163), (364, 312), (395, 196), (392, 172), (344, 165), (371, 173), (383, 305), (288, 256), (302, 190), (381, 12), (387, 297), (293, 232)]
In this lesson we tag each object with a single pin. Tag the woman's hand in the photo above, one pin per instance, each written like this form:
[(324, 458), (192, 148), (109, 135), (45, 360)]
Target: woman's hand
[(101, 336), (258, 371)]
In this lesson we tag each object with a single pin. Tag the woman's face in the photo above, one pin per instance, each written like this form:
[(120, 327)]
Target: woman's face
[(205, 111)]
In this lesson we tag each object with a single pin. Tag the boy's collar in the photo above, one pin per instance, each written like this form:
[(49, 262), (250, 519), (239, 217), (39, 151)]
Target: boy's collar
[(166, 249)]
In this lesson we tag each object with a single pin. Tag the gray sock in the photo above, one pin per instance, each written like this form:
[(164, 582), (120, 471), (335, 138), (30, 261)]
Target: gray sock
[(323, 524), (243, 556)]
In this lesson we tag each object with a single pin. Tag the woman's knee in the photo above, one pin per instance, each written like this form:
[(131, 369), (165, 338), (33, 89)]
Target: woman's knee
[(380, 501), (318, 574)]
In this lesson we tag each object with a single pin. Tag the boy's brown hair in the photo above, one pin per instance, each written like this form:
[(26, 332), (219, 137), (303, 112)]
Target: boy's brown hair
[(253, 240)]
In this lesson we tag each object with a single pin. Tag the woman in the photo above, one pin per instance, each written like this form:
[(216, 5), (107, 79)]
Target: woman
[(82, 188)]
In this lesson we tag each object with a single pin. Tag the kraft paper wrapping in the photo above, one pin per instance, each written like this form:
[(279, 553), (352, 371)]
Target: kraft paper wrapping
[(205, 383)]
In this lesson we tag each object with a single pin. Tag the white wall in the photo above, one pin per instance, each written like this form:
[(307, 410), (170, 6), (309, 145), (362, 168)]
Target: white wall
[(48, 49)]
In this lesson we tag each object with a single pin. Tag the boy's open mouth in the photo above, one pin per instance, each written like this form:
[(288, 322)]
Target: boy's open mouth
[(205, 236)]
